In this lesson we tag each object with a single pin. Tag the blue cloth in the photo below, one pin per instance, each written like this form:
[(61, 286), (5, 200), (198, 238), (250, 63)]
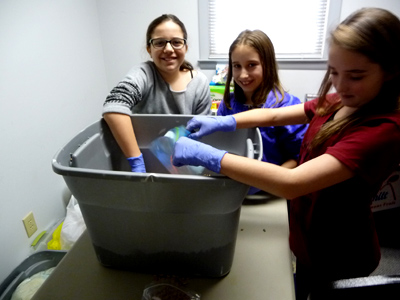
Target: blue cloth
[(280, 143)]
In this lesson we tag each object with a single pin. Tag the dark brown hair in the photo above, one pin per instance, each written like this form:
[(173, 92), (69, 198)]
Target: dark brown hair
[(265, 49), (165, 18)]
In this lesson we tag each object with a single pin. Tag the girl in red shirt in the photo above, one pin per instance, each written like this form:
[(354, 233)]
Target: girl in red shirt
[(351, 146)]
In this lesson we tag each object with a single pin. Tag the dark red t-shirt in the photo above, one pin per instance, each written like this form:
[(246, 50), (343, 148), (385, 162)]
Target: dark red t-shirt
[(332, 230)]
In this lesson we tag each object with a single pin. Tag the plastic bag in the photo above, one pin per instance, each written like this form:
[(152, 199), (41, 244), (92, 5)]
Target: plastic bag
[(27, 288), (55, 243), (163, 148), (73, 226)]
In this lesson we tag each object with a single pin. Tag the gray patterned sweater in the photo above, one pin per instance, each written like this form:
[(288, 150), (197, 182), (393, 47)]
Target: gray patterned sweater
[(144, 91)]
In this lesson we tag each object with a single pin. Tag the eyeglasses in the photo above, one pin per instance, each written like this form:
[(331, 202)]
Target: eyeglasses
[(176, 43)]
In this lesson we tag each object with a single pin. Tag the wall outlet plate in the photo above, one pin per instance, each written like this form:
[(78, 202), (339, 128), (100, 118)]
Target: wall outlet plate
[(30, 224)]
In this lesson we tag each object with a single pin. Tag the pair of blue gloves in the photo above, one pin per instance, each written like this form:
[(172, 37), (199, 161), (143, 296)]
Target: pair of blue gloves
[(188, 151)]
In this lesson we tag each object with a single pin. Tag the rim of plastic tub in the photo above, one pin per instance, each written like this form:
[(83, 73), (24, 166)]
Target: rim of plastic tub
[(65, 151)]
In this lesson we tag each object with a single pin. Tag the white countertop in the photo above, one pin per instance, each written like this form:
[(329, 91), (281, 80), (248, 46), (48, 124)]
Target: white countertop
[(262, 266)]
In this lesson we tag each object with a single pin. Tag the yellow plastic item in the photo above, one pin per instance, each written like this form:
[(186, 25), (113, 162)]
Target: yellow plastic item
[(55, 243)]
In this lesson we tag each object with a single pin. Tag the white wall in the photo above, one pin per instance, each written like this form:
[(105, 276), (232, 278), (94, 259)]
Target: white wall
[(52, 84), (53, 81), (349, 6), (124, 37), (301, 82), (124, 24)]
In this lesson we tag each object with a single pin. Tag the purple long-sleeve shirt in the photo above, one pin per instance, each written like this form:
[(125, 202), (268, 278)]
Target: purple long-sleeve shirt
[(280, 143)]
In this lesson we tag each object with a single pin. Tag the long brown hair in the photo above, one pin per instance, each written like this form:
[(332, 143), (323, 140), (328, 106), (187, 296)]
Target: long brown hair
[(164, 18), (260, 42), (375, 33)]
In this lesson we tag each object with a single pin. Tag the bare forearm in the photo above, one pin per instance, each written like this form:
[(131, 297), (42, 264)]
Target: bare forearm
[(287, 183), (122, 130), (261, 117), (265, 176)]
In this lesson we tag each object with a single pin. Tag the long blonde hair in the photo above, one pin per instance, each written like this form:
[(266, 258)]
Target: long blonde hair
[(375, 33)]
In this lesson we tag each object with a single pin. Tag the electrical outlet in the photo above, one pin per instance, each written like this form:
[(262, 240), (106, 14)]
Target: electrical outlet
[(30, 224)]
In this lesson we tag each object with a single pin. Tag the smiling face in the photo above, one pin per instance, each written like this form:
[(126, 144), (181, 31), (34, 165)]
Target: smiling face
[(356, 79), (247, 70), (167, 60)]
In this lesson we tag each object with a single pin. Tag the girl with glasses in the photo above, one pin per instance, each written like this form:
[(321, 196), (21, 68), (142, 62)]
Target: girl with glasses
[(166, 85), (351, 146)]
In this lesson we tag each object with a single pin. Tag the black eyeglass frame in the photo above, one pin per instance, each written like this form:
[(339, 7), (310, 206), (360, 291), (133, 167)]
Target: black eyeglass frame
[(168, 41)]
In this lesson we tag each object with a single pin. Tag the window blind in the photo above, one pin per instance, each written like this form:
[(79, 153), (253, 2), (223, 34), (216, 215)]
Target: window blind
[(296, 28)]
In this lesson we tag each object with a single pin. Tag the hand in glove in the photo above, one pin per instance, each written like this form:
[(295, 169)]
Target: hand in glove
[(209, 124), (190, 152), (137, 164)]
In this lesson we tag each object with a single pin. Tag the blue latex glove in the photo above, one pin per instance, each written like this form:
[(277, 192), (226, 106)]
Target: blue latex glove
[(137, 164), (209, 124), (191, 152)]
